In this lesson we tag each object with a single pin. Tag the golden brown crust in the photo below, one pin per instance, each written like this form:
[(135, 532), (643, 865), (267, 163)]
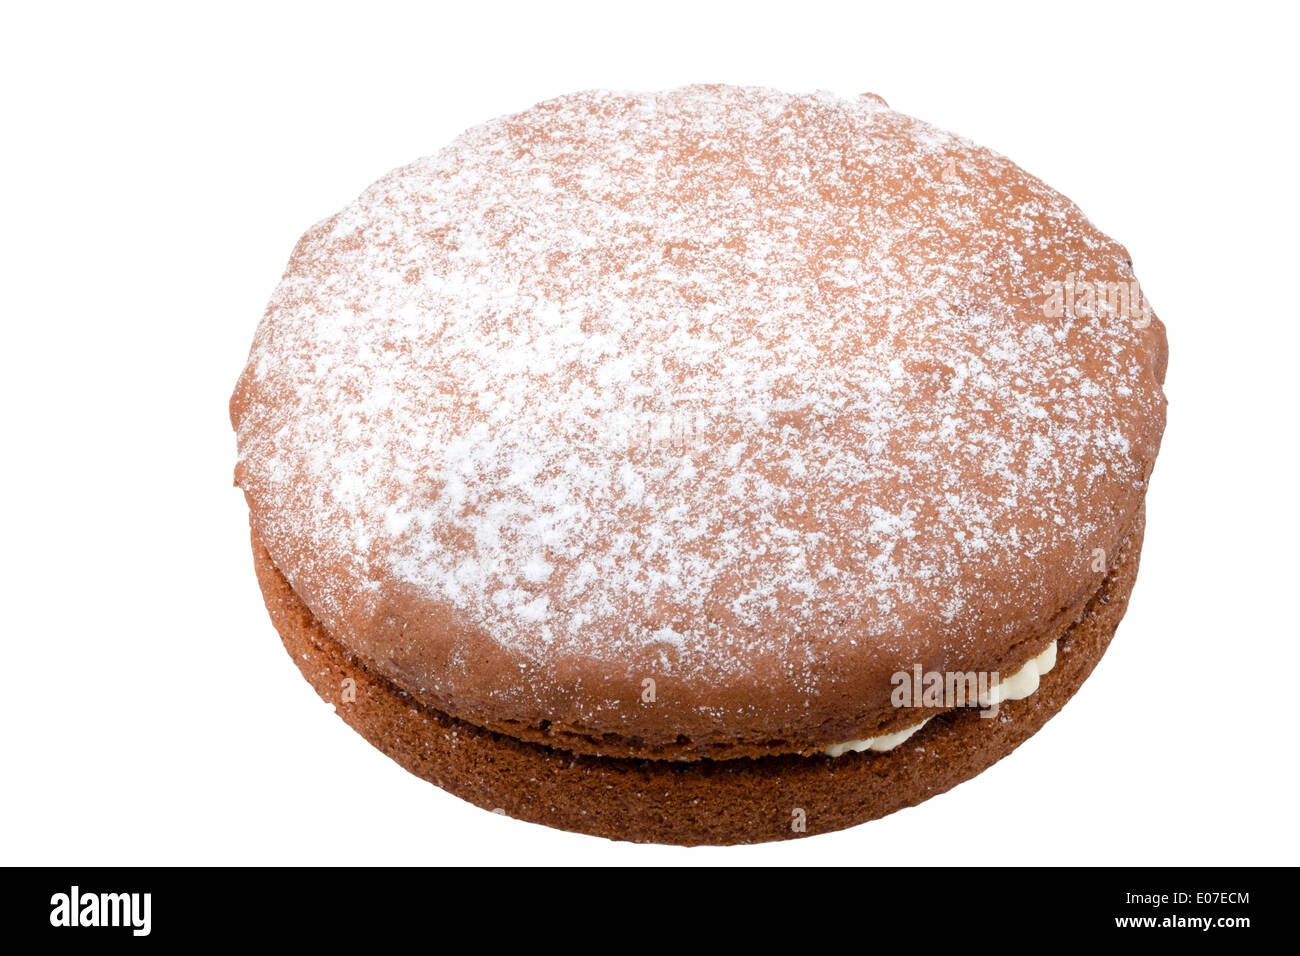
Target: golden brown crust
[(686, 802)]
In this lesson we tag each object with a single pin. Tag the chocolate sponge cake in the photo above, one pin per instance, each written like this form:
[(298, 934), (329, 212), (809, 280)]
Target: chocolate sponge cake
[(625, 465)]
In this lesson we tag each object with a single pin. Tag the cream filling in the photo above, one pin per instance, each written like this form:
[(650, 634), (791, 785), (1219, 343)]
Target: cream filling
[(1016, 687)]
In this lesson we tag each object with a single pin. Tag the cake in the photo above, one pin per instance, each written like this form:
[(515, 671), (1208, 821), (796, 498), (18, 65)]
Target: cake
[(623, 466)]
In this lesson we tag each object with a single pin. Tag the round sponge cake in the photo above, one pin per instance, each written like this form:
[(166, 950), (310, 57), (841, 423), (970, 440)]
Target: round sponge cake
[(610, 466)]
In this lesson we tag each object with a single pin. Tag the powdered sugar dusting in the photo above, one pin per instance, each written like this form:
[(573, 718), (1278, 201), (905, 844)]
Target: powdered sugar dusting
[(702, 372)]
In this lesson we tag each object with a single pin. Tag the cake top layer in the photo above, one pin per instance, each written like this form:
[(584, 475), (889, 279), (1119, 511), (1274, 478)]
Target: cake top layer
[(761, 396)]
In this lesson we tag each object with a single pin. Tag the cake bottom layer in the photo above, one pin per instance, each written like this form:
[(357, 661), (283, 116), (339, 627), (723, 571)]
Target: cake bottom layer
[(741, 800)]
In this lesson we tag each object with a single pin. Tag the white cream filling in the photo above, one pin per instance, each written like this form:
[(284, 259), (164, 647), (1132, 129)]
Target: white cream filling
[(882, 743), (1016, 687)]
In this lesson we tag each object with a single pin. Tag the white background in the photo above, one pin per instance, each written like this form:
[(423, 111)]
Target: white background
[(158, 166)]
